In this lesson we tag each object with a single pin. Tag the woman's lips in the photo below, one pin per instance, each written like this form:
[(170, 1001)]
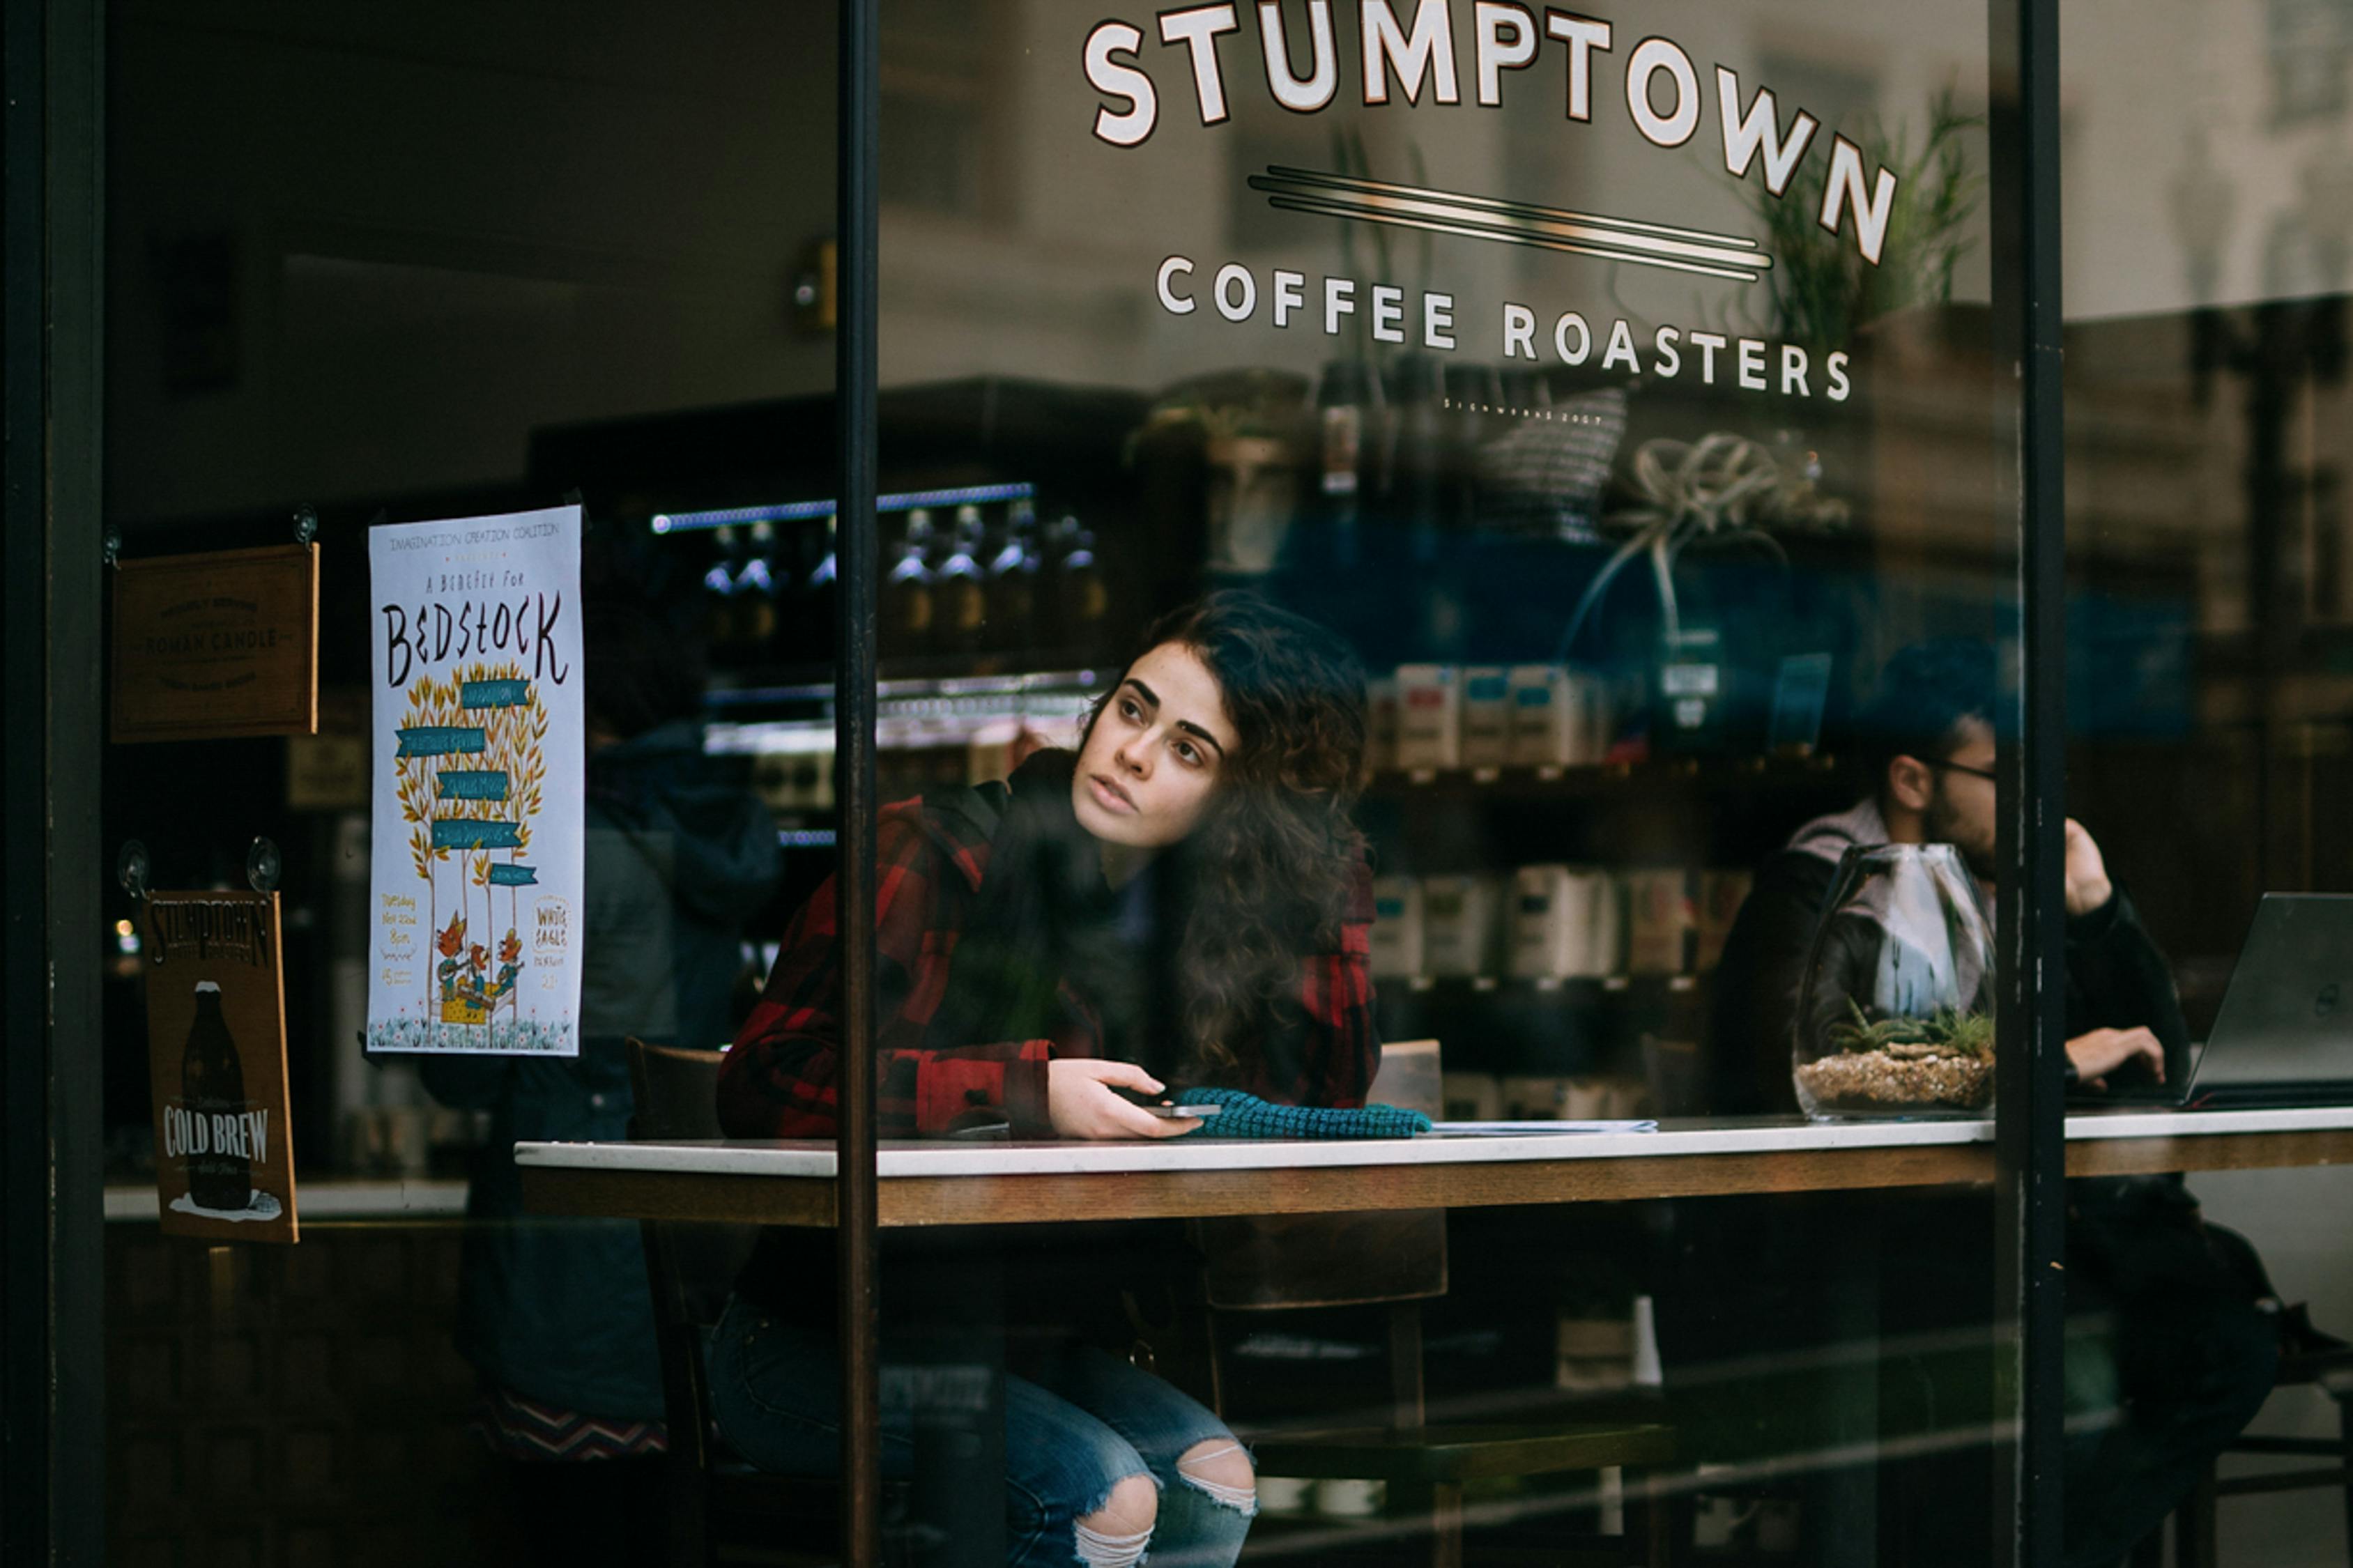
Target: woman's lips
[(1109, 795)]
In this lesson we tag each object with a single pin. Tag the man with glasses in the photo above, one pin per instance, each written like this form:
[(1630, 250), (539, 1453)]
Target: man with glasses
[(2172, 1344), (1927, 737)]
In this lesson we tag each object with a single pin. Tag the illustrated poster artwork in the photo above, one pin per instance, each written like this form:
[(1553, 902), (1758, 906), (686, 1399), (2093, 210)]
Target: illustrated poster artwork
[(477, 767), (216, 1057)]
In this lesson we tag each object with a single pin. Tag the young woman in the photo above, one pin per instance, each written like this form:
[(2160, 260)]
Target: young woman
[(1183, 901)]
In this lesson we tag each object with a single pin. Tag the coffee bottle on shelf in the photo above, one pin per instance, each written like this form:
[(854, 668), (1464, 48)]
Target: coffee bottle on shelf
[(959, 589), (1081, 598), (1013, 582), (1347, 398), (719, 594), (212, 1094), (1416, 488), (819, 601), (909, 611), (756, 592)]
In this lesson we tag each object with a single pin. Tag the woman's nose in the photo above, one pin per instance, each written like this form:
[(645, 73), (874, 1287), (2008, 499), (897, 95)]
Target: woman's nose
[(1130, 755)]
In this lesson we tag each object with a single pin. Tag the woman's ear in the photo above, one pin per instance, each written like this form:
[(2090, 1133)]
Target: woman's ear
[(1911, 782)]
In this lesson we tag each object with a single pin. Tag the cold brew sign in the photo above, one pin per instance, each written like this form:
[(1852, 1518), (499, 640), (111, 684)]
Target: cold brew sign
[(216, 1055), (475, 895)]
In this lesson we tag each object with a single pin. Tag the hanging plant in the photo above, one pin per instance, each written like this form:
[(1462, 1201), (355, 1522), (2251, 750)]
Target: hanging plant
[(1822, 290)]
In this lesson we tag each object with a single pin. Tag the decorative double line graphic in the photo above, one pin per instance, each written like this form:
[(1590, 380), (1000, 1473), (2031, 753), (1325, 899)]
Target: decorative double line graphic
[(1514, 223)]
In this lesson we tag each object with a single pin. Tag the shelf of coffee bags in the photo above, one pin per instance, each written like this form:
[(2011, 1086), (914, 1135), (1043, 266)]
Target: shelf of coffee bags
[(1683, 775)]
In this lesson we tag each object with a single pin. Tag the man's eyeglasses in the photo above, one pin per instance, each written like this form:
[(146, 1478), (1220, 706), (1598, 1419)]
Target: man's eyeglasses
[(1965, 768)]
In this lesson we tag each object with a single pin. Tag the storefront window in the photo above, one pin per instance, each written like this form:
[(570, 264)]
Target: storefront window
[(379, 270), (1453, 628), (2205, 213), (1447, 517)]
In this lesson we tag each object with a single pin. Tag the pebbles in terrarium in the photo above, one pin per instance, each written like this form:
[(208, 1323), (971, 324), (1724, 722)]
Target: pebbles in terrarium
[(1893, 1019)]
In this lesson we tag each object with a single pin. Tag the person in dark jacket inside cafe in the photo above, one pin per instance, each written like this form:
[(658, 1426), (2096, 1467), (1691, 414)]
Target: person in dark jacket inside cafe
[(2174, 1333)]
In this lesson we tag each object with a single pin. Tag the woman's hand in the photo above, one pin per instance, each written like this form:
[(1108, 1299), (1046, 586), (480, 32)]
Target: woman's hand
[(2103, 1051), (1080, 1104)]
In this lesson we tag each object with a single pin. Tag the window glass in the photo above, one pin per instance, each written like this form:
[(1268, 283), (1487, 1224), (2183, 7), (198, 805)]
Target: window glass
[(390, 265), (1450, 542), (2206, 209)]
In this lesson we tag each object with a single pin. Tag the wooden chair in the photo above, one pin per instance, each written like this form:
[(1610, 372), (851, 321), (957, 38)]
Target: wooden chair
[(1281, 1263), (720, 1508)]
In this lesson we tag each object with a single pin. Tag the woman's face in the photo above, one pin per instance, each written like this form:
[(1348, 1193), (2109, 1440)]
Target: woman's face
[(1147, 771)]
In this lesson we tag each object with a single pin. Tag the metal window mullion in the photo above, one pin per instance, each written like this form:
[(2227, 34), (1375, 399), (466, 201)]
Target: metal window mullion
[(2029, 1112), (858, 130)]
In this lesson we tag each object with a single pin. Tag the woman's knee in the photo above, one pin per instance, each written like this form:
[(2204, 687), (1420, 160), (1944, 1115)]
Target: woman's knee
[(1116, 1534), (1220, 1467)]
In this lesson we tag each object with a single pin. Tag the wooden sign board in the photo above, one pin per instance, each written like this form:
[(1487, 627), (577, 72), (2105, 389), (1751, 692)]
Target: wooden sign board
[(223, 644), (217, 1057)]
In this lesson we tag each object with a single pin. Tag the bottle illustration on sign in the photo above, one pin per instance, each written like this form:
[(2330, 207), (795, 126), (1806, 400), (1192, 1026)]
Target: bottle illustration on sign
[(472, 773), (212, 1093)]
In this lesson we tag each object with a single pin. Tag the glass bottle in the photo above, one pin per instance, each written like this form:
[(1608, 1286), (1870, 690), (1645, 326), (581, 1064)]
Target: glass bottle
[(719, 592), (1347, 398), (756, 590), (212, 1093), (959, 589), (819, 596), (908, 608), (1081, 598), (1416, 490), (1013, 581), (1895, 1011)]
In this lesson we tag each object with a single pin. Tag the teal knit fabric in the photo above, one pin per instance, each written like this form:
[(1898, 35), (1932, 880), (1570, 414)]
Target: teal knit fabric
[(1248, 1116)]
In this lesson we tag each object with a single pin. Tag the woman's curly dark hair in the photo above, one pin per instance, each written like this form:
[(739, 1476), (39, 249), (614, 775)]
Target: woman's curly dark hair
[(1270, 866)]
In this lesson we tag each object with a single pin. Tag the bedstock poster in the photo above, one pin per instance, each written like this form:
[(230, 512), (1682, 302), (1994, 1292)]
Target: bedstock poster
[(479, 754)]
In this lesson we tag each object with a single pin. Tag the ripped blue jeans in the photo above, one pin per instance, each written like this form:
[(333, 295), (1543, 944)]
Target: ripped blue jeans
[(1086, 1422)]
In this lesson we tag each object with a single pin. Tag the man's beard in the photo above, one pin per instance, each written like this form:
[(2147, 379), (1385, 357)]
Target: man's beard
[(1938, 826)]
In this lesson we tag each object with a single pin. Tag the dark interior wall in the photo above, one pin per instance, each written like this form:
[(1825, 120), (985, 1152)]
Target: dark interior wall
[(359, 251)]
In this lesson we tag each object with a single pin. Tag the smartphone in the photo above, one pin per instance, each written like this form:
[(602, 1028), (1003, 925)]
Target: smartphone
[(1170, 1112)]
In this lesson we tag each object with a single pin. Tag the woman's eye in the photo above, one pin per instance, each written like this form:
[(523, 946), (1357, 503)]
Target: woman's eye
[(1128, 709), (1188, 752)]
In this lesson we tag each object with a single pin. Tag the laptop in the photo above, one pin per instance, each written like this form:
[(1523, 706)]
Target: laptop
[(2285, 1035)]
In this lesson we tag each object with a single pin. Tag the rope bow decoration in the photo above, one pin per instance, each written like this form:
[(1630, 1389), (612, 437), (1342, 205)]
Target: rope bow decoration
[(1723, 487)]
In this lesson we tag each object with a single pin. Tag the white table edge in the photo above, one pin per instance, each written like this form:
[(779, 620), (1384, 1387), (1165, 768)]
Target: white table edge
[(814, 1159)]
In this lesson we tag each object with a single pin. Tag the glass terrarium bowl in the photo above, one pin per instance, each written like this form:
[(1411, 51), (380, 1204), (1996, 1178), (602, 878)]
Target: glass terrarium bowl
[(1895, 1013)]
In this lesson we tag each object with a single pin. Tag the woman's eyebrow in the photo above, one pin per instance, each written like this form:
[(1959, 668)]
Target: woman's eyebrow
[(1185, 724), (1192, 729)]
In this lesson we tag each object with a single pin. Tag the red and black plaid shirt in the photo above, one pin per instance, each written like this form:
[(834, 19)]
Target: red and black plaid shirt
[(778, 1080)]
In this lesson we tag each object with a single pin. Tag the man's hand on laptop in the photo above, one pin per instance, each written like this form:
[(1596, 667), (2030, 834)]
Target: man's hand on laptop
[(2088, 887), (2101, 1052)]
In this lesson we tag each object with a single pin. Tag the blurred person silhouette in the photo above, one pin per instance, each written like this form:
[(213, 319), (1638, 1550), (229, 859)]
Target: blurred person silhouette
[(2174, 1333), (556, 1314)]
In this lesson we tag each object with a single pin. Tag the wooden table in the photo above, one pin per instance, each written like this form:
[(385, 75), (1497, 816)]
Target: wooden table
[(948, 1183)]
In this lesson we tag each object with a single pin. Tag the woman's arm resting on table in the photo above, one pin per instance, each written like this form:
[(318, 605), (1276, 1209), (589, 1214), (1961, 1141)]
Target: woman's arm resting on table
[(780, 1080)]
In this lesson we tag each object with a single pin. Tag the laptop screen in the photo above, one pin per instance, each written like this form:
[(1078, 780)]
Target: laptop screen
[(2287, 1017)]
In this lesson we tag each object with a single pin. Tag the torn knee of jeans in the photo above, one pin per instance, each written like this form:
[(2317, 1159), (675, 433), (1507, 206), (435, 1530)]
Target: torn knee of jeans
[(1220, 1470), (1116, 1532)]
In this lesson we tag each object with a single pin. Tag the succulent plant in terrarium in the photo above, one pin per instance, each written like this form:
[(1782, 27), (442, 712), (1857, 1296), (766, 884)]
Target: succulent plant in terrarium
[(1893, 1016)]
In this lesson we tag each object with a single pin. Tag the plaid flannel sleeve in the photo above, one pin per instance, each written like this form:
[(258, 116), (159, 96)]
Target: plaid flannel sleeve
[(1344, 1046), (780, 1079)]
